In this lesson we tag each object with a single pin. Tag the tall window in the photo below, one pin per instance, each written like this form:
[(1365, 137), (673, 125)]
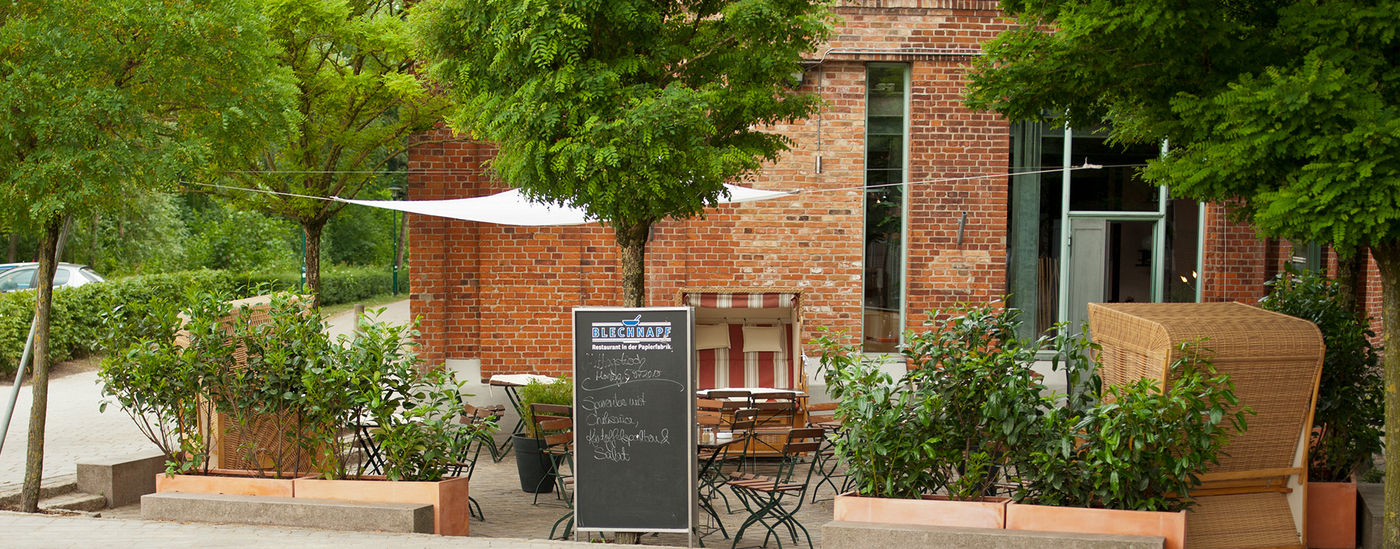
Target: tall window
[(886, 140)]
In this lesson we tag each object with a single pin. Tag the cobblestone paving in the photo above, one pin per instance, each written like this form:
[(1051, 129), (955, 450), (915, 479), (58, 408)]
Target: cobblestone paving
[(509, 513), (21, 531), (74, 428)]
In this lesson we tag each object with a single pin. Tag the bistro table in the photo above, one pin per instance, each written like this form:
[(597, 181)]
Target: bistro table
[(773, 423), (712, 447), (511, 383)]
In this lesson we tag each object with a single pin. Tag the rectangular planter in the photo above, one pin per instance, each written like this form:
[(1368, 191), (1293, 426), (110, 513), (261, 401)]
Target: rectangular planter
[(224, 481), (1082, 520), (1330, 508), (448, 497), (929, 511)]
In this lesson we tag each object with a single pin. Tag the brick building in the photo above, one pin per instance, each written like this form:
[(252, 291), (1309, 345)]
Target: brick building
[(906, 206)]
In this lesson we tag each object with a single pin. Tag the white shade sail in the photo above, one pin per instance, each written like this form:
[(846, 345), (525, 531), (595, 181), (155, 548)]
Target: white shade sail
[(513, 208)]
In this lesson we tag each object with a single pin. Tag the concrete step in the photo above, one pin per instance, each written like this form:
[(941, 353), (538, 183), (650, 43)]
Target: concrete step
[(48, 488), (75, 501)]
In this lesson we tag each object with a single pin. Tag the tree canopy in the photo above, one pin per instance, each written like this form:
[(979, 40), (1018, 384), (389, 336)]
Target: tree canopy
[(632, 110), (103, 99), (1288, 112), (359, 100)]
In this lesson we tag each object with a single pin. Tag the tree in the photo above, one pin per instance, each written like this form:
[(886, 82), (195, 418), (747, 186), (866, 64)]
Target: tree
[(1285, 111), (359, 100), (101, 99), (633, 110)]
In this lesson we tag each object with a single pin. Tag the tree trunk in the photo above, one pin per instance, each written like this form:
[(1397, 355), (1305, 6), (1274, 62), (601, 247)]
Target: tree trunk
[(34, 459), (1350, 276), (632, 257), (1388, 259), (313, 232), (92, 244), (14, 248)]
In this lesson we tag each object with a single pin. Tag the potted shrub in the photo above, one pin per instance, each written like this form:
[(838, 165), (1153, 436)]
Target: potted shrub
[(931, 446), (1346, 430), (1122, 465), (970, 416), (159, 366), (530, 463), (173, 382), (378, 376)]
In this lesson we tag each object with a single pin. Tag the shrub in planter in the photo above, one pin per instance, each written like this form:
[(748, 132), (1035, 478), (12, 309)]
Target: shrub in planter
[(1350, 397), (1347, 421), (969, 415), (952, 423), (1141, 448), (159, 383), (293, 373)]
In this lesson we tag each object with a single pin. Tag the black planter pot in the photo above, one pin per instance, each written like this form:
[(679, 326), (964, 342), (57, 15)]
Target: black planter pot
[(532, 465)]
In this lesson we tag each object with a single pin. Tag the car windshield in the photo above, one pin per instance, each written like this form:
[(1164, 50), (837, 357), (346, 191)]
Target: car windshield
[(91, 275)]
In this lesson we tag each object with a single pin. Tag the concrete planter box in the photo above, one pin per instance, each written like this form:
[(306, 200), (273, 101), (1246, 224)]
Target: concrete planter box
[(448, 497), (221, 481), (1047, 518), (929, 511), (1330, 508)]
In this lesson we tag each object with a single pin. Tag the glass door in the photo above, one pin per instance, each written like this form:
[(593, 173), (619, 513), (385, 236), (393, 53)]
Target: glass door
[(1087, 229)]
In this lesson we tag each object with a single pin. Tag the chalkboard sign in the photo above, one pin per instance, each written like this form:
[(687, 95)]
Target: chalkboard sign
[(634, 420)]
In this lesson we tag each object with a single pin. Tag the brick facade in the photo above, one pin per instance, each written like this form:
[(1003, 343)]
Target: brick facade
[(503, 294)]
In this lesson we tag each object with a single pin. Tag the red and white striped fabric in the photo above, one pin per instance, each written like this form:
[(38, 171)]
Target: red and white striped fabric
[(732, 367), (740, 301)]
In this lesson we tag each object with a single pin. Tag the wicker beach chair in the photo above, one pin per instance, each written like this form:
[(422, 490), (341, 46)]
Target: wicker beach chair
[(1254, 497)]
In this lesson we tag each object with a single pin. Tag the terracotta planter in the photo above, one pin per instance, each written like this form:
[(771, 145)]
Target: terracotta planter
[(225, 481), (448, 497), (1330, 508), (1081, 520), (930, 511)]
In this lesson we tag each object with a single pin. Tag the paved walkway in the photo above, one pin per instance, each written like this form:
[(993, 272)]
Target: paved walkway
[(19, 531), (74, 428)]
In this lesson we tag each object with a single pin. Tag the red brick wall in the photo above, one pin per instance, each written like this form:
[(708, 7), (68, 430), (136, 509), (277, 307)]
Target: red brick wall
[(503, 294)]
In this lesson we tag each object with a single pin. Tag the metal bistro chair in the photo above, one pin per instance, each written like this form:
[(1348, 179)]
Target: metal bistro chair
[(775, 417), (493, 413), (476, 422), (763, 496), (543, 417), (559, 446), (823, 416)]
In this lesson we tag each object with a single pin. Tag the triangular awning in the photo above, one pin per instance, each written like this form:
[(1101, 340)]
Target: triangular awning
[(513, 208)]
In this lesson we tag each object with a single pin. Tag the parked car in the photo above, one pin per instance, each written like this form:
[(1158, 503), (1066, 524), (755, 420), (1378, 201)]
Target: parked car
[(68, 275)]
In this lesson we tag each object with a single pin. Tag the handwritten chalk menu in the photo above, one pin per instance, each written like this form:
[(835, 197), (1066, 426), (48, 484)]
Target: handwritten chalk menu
[(634, 419)]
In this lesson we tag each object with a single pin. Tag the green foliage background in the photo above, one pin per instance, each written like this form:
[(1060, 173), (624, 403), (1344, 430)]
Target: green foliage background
[(77, 312)]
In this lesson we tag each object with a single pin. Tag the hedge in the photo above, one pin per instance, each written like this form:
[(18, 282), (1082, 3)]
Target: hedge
[(75, 328)]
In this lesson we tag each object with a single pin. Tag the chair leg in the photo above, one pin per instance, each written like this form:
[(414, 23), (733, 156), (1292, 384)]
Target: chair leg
[(569, 525), (474, 508)]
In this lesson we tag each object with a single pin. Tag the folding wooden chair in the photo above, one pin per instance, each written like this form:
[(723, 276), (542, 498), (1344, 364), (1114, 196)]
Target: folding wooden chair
[(545, 419), (823, 416), (559, 446), (764, 496)]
